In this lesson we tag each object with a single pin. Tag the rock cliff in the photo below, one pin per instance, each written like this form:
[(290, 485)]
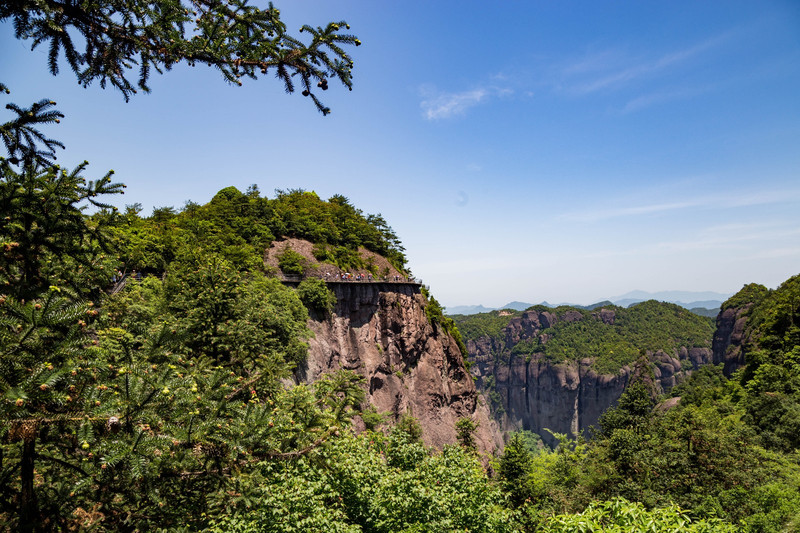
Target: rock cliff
[(730, 337), (530, 392), (380, 331)]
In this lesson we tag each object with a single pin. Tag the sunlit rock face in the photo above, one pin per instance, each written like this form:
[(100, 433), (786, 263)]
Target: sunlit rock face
[(380, 331)]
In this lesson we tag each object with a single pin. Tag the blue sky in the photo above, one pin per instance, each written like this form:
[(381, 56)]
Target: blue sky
[(559, 151)]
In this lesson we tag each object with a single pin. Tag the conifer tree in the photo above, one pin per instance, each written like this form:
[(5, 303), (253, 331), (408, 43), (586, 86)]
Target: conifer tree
[(96, 424), (121, 43)]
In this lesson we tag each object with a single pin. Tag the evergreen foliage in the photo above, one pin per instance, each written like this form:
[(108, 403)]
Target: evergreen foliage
[(465, 433), (124, 43), (160, 403), (44, 221), (515, 467)]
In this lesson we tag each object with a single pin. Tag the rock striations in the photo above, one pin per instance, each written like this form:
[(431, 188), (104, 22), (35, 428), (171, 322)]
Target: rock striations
[(380, 331)]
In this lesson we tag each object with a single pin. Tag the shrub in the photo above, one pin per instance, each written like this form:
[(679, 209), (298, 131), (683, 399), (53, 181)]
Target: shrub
[(291, 263), (316, 295)]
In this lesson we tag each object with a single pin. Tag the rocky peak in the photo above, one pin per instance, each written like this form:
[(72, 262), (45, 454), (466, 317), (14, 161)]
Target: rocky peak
[(381, 331), (730, 337)]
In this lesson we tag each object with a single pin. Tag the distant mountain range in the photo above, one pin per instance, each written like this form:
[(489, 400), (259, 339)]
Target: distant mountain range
[(701, 302)]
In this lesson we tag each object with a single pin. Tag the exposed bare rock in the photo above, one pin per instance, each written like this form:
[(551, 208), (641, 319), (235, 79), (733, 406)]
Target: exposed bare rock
[(381, 332), (669, 403), (607, 316), (315, 268), (729, 338)]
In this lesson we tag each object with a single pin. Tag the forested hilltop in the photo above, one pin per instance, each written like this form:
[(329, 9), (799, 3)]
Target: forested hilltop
[(241, 226), (558, 369)]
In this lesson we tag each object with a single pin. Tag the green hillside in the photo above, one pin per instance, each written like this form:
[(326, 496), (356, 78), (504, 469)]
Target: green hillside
[(648, 326), (772, 355)]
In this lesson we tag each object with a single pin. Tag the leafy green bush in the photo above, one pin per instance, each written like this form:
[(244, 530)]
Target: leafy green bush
[(291, 263), (316, 296), (621, 516)]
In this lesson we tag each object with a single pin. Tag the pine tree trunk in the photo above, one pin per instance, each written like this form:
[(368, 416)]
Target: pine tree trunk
[(28, 508)]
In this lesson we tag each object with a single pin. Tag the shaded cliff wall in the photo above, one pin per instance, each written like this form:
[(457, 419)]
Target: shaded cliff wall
[(732, 338), (729, 338), (381, 332), (533, 393)]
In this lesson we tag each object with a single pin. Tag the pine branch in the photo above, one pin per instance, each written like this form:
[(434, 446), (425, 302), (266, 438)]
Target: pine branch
[(238, 39)]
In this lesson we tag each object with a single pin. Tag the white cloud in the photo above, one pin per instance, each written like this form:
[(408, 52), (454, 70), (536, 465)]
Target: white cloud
[(441, 105), (730, 201), (612, 70), (659, 97)]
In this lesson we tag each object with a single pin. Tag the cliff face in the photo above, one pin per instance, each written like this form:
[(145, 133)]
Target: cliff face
[(730, 337), (381, 332), (530, 392)]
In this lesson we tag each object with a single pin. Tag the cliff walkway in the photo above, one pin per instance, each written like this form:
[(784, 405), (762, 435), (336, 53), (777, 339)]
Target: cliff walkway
[(118, 283), (336, 280)]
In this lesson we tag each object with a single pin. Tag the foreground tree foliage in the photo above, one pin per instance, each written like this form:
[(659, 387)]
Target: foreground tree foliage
[(135, 411), (124, 40), (702, 458), (375, 483)]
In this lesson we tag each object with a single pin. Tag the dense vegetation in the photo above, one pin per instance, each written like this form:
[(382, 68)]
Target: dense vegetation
[(575, 333), (240, 226), (728, 450), (489, 324), (772, 375), (137, 38)]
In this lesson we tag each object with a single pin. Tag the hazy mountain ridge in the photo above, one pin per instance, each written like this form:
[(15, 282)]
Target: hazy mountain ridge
[(705, 303)]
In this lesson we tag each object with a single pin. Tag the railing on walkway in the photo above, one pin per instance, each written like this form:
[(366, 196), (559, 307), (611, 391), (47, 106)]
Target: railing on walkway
[(400, 280)]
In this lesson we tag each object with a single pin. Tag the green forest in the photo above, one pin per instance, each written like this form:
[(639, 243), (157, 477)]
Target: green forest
[(146, 361)]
